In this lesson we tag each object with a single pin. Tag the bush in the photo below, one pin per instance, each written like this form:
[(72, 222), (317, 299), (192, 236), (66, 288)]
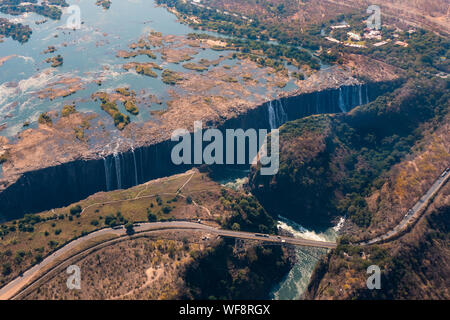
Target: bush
[(166, 209), (151, 216), (130, 228), (75, 210), (38, 258), (6, 269), (236, 227), (68, 110), (45, 119)]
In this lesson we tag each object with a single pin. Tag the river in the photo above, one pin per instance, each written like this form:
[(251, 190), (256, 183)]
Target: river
[(296, 281)]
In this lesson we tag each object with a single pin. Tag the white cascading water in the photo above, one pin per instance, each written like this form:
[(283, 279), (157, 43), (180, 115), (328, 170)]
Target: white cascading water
[(296, 282), (360, 95), (282, 115), (118, 170), (277, 114), (107, 174), (135, 168), (341, 102), (272, 116)]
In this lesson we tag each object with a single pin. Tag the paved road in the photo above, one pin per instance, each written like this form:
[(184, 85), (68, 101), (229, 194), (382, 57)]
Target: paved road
[(415, 211), (61, 255)]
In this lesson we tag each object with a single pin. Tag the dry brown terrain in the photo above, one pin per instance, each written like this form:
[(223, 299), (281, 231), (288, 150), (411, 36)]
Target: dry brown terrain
[(431, 14), (144, 268)]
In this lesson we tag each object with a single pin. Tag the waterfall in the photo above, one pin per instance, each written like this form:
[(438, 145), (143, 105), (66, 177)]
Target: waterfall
[(367, 94), (360, 95), (282, 117), (272, 116), (341, 101), (135, 167), (118, 170), (107, 174), (277, 114), (141, 151)]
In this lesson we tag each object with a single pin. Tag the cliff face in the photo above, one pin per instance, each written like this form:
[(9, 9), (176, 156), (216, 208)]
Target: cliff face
[(72, 181), (416, 266), (330, 164), (371, 166), (249, 273)]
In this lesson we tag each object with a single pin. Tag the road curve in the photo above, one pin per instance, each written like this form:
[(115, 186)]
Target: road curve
[(414, 212), (31, 275)]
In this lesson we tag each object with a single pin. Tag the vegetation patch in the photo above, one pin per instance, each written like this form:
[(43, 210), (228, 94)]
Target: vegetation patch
[(110, 107), (171, 77)]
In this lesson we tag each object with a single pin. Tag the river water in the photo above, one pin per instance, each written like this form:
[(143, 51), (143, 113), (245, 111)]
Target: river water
[(89, 55), (295, 283)]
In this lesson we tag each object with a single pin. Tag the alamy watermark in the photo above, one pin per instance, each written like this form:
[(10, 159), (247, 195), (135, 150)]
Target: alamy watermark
[(74, 20), (374, 21), (74, 280), (237, 147), (374, 281)]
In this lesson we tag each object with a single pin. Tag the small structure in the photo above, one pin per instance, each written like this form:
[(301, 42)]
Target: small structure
[(341, 26), (378, 44), (354, 36), (401, 43), (373, 34), (332, 39)]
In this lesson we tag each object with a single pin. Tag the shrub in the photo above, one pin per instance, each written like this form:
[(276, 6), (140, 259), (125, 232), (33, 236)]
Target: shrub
[(130, 228), (45, 119), (6, 270), (151, 216), (68, 110), (166, 209), (75, 210)]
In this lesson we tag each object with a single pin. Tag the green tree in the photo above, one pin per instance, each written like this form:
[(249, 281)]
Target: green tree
[(75, 210), (130, 228), (151, 216), (6, 270)]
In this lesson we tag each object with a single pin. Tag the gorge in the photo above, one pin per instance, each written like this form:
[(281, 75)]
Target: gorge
[(69, 182)]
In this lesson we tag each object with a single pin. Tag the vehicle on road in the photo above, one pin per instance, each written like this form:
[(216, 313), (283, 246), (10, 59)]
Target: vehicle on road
[(261, 235)]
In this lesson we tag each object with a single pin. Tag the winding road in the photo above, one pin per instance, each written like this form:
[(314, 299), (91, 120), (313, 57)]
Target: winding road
[(414, 212)]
